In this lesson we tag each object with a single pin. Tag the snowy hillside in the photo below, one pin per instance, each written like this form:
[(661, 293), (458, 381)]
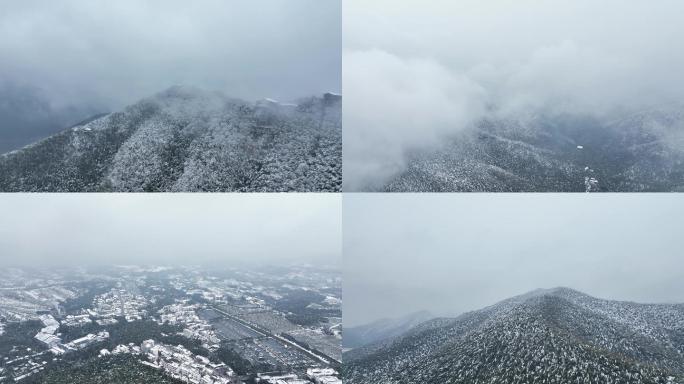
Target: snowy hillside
[(546, 336), (185, 139), (641, 152)]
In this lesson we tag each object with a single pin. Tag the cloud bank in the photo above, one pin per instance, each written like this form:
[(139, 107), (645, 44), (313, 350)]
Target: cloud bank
[(508, 58), (114, 53)]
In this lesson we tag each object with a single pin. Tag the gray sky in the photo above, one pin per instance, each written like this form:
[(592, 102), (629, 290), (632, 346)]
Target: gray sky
[(116, 52), (415, 71), (66, 229), (450, 253)]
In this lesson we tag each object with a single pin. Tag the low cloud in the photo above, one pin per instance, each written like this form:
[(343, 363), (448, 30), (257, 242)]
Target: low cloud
[(394, 105), (417, 73)]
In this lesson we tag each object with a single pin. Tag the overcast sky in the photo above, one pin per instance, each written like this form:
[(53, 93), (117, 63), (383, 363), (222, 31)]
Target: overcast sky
[(169, 229), (450, 253), (116, 52), (415, 71)]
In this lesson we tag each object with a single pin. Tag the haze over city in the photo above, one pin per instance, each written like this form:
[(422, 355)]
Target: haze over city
[(172, 229)]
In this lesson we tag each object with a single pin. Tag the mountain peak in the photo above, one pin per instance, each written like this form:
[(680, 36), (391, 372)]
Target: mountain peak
[(185, 91), (330, 98), (561, 292), (534, 337), (556, 291)]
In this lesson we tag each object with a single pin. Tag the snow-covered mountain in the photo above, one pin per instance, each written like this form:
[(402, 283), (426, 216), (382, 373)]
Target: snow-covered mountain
[(382, 329), (186, 139), (639, 152), (545, 336)]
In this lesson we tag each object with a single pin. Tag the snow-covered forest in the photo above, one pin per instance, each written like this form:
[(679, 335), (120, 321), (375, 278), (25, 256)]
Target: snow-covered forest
[(186, 139)]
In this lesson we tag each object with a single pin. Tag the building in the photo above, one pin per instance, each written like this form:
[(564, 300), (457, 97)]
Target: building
[(323, 376), (146, 346)]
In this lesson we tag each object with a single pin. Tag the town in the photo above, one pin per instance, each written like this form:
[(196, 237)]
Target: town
[(263, 325)]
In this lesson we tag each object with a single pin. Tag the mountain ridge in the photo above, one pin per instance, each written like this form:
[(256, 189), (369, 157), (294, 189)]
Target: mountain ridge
[(639, 152), (552, 336), (187, 139)]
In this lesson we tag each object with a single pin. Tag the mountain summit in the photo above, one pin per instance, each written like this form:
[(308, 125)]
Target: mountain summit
[(187, 139), (545, 336)]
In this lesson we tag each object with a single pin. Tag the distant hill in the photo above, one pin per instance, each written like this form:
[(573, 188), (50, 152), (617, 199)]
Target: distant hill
[(640, 152), (546, 336), (382, 329), (27, 115), (186, 139)]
